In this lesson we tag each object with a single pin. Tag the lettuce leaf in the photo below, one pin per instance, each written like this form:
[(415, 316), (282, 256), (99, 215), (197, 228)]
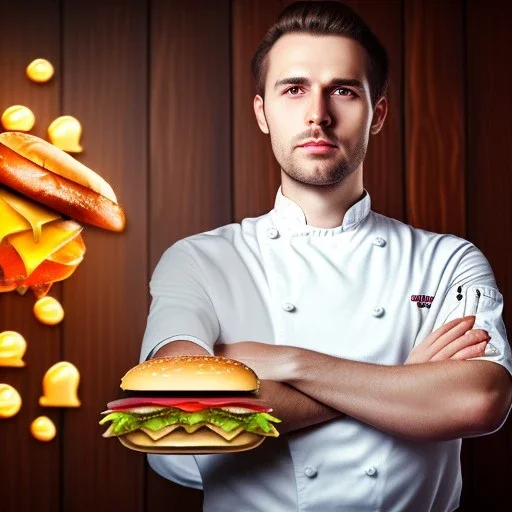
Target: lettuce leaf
[(125, 422)]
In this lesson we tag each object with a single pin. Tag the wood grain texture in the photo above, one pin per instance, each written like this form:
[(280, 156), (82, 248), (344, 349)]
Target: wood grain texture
[(29, 469), (256, 172), (384, 166), (489, 156), (190, 137), (164, 92), (105, 87), (435, 116), (190, 120)]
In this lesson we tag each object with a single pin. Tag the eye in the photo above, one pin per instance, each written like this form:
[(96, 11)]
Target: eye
[(296, 87), (345, 92)]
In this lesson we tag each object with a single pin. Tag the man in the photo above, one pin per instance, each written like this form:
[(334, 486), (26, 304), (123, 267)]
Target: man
[(361, 327)]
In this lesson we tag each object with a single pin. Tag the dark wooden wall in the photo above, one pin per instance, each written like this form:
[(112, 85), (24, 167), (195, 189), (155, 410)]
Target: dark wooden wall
[(164, 93)]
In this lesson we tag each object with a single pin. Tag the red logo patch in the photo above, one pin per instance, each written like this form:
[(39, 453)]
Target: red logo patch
[(422, 301)]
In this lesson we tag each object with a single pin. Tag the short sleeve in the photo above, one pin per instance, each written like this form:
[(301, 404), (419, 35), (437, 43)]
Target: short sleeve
[(474, 292), (181, 308), (181, 469)]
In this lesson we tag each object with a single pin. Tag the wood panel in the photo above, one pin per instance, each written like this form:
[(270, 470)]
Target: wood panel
[(105, 87), (434, 121), (190, 131), (190, 123), (164, 92), (29, 469), (384, 166), (489, 154), (256, 173)]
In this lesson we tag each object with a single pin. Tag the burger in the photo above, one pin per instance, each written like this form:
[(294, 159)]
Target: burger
[(190, 404), (45, 196)]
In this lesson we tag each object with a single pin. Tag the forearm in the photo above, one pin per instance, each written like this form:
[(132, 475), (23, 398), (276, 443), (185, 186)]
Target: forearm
[(431, 401), (295, 409)]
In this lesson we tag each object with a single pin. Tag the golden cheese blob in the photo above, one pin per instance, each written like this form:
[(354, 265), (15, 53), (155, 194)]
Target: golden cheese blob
[(65, 133), (10, 401), (40, 70), (60, 386), (12, 349), (43, 428), (18, 118), (48, 310)]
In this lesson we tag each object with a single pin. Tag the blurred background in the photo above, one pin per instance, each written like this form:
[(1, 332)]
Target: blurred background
[(164, 93)]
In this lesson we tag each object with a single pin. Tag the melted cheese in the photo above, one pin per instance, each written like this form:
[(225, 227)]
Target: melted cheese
[(55, 235), (12, 222), (190, 429), (35, 214)]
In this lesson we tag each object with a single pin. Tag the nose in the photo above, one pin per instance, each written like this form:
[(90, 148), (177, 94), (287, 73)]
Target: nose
[(318, 110)]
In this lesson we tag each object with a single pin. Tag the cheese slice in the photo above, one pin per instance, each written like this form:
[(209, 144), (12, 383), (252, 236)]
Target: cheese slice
[(35, 214), (11, 221), (110, 431), (190, 429), (55, 235)]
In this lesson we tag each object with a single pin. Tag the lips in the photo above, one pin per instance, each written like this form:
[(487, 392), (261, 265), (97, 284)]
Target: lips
[(318, 144), (318, 149)]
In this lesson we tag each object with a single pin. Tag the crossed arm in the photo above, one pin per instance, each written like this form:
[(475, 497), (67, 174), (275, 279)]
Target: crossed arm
[(435, 395)]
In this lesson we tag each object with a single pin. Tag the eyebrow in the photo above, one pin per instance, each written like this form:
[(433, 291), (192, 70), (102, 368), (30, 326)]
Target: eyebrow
[(301, 80)]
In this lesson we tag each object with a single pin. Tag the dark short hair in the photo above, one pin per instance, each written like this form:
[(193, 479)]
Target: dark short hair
[(324, 18)]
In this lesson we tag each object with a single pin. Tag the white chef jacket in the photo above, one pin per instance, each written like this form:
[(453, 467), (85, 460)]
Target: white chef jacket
[(368, 290)]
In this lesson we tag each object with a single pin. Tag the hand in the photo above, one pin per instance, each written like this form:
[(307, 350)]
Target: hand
[(269, 362), (454, 340)]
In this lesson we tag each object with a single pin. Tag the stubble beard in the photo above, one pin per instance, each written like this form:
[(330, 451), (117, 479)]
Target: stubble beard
[(321, 170)]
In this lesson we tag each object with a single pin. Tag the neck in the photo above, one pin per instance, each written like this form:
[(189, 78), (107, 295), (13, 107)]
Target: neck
[(324, 206)]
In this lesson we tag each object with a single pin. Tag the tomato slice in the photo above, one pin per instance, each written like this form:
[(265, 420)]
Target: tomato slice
[(59, 266), (13, 269), (8, 287), (49, 272), (188, 404)]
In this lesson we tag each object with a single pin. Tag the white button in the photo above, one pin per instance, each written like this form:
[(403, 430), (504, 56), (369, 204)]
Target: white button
[(371, 471), (491, 350), (379, 242), (310, 472), (272, 233), (377, 311), (288, 306)]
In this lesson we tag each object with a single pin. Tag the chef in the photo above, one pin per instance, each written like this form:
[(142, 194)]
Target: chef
[(379, 345)]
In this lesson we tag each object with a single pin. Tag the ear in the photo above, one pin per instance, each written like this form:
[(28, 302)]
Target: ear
[(379, 115), (260, 114)]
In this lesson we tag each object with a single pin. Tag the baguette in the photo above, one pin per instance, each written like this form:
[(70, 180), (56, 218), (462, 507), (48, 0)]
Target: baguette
[(69, 197)]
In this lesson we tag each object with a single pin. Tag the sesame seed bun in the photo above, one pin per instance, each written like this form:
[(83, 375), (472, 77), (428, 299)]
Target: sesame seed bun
[(190, 373)]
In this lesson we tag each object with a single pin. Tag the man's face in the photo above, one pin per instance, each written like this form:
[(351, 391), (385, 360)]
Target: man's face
[(331, 101)]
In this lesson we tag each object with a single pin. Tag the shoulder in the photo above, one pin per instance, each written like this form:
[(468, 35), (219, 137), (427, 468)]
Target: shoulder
[(421, 238), (217, 241), (439, 250)]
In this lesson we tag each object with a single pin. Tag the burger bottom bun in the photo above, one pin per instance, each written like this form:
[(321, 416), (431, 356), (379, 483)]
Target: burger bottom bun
[(179, 441)]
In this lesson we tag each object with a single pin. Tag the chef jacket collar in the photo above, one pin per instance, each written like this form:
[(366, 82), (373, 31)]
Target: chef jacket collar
[(289, 216)]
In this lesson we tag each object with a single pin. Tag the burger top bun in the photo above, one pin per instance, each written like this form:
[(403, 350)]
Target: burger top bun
[(190, 373), (57, 161)]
